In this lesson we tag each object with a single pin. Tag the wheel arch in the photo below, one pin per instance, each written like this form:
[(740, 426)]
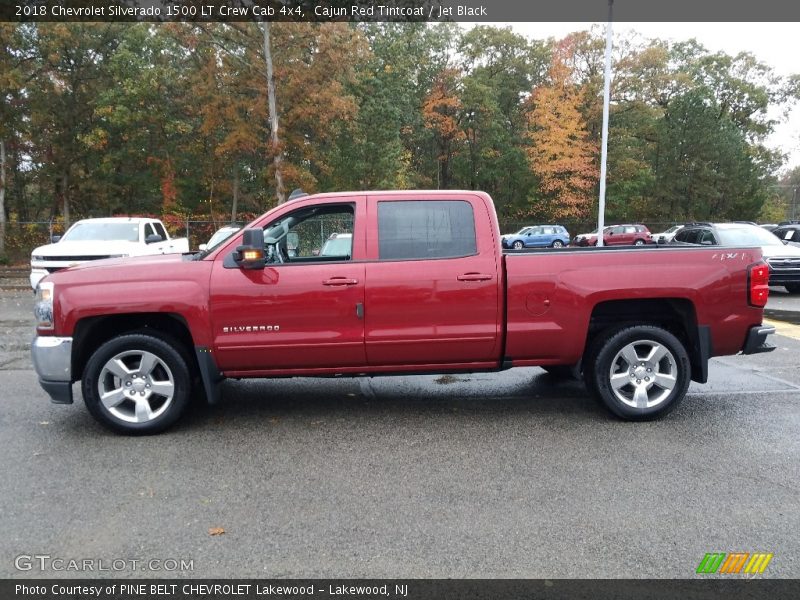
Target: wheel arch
[(676, 315), (91, 332)]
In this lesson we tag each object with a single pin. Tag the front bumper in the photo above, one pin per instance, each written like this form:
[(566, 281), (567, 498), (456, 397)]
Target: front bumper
[(37, 275), (756, 341), (52, 359)]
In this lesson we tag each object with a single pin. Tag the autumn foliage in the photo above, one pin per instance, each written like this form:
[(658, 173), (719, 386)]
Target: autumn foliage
[(441, 112), (561, 154)]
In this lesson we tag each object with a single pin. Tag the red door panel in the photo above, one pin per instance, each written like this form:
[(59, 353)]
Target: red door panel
[(423, 312), (288, 316), (434, 310)]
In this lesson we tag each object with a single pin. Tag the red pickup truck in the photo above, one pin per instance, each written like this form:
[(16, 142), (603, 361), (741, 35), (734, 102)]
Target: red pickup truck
[(416, 283)]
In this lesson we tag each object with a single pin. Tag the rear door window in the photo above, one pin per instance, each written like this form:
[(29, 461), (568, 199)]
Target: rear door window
[(418, 229)]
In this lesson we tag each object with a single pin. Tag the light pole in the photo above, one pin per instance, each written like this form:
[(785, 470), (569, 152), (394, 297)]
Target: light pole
[(601, 208)]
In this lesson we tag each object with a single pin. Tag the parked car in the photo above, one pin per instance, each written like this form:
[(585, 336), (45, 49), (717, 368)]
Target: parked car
[(338, 244), (537, 236), (617, 235), (769, 226), (426, 289), (95, 239), (789, 234), (666, 236), (783, 259), (220, 235)]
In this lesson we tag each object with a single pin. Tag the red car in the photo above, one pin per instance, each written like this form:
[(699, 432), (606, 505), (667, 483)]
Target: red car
[(424, 288), (617, 235)]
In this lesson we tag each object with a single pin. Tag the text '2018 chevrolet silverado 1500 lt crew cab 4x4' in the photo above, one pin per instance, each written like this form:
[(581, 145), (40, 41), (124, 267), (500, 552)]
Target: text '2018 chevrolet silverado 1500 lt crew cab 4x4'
[(422, 287)]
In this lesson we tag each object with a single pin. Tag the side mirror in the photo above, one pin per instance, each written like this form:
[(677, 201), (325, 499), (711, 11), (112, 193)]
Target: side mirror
[(153, 238), (250, 255), (54, 238), (202, 247)]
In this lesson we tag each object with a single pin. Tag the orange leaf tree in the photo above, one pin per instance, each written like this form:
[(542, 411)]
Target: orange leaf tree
[(442, 113), (561, 153)]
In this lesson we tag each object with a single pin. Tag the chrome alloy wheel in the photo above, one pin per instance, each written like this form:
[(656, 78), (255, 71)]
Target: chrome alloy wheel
[(643, 374), (136, 386)]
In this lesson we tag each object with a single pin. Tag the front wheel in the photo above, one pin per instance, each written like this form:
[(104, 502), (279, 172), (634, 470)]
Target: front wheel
[(639, 372), (518, 245), (638, 243), (137, 384)]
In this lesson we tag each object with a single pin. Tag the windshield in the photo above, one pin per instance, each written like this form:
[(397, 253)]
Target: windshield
[(673, 228), (747, 236), (102, 231), (220, 236)]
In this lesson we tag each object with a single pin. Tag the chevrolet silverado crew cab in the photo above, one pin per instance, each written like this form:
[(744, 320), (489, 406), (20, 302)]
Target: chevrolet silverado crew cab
[(422, 286), (94, 239)]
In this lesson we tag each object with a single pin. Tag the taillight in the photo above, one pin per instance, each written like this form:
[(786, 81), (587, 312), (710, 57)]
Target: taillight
[(758, 277)]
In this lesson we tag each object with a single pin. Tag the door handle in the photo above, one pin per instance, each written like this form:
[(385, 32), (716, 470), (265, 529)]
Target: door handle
[(474, 277), (338, 281)]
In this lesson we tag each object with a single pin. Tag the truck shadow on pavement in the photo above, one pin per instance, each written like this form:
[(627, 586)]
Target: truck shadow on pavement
[(400, 399)]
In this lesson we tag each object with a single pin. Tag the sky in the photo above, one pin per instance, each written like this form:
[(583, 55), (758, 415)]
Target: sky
[(771, 43)]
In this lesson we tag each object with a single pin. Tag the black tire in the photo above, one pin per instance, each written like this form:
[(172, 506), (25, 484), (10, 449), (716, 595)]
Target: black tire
[(557, 244), (560, 371), (645, 388), (518, 245), (792, 288), (148, 379), (639, 243)]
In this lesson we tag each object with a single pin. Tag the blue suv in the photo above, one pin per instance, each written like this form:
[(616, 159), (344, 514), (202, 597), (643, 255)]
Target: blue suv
[(537, 236)]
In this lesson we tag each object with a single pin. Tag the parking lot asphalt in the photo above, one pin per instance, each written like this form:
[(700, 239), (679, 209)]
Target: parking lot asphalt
[(507, 474)]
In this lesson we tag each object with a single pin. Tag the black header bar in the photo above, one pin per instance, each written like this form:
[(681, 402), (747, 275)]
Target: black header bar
[(401, 10)]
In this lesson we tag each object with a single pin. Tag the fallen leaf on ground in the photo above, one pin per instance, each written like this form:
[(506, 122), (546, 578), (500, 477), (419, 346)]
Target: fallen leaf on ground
[(216, 531)]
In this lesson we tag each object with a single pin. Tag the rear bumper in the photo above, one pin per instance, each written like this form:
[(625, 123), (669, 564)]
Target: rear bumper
[(52, 359), (756, 341)]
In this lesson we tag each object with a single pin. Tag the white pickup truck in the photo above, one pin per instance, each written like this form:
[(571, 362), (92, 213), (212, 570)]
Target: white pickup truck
[(93, 239)]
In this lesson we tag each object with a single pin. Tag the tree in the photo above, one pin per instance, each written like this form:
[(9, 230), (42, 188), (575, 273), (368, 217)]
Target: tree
[(500, 68), (561, 154), (442, 111), (706, 170)]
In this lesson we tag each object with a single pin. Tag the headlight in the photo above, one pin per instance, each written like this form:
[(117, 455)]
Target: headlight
[(43, 307), (37, 257)]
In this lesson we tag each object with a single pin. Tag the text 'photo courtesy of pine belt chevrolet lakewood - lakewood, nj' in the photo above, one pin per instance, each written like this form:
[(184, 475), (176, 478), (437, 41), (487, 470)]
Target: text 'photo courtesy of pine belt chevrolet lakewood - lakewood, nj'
[(391, 282)]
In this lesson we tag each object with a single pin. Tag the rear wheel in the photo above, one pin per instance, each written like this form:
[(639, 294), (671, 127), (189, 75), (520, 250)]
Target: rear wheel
[(557, 244), (137, 384), (792, 288), (639, 372), (518, 245)]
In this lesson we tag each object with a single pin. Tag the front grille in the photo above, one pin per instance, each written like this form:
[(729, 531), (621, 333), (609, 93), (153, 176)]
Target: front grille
[(73, 258), (784, 263)]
